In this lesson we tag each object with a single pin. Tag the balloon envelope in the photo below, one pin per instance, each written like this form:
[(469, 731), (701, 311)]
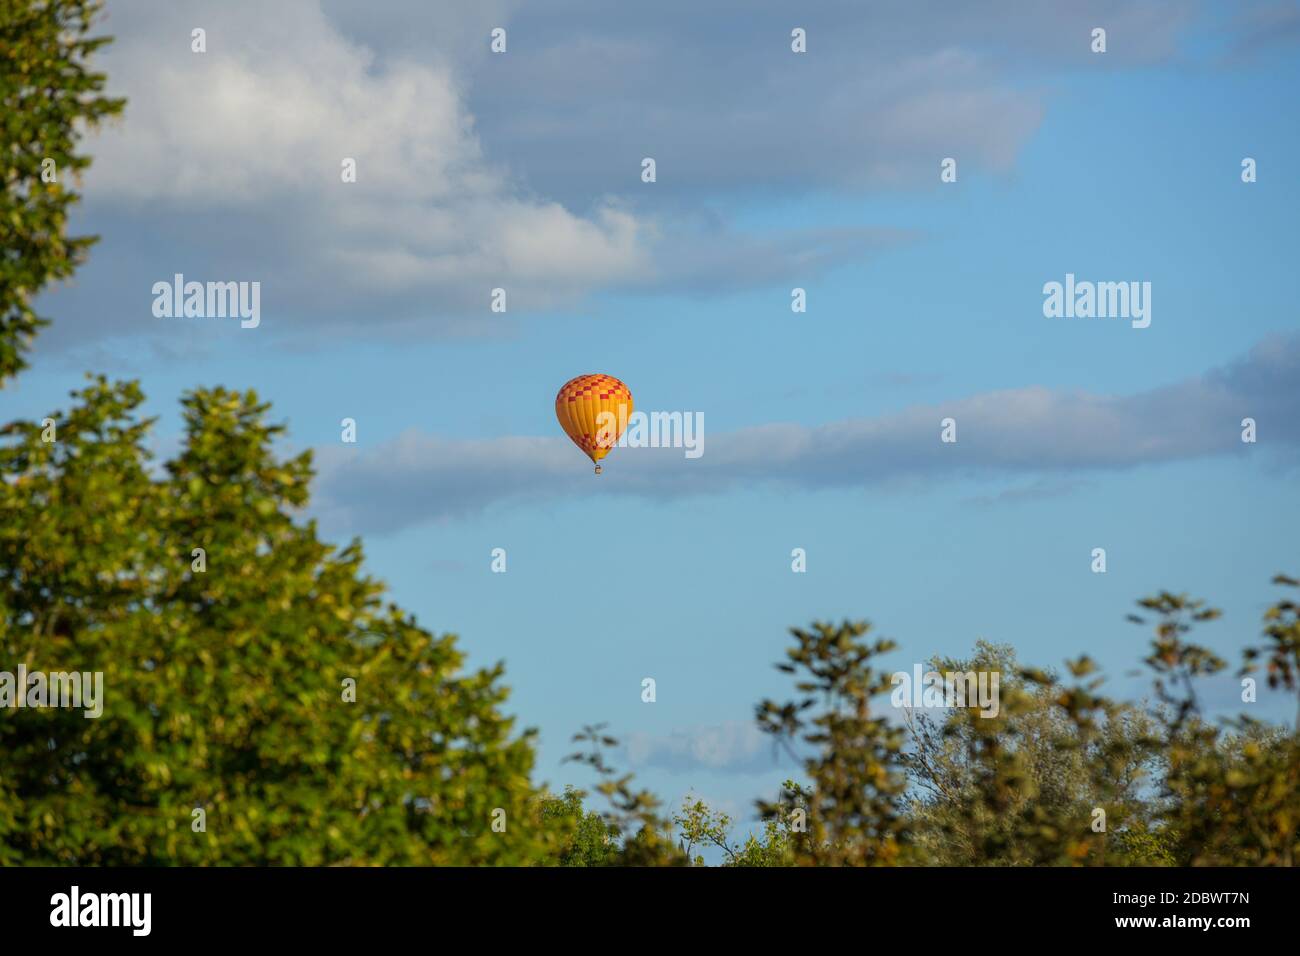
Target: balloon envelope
[(593, 411)]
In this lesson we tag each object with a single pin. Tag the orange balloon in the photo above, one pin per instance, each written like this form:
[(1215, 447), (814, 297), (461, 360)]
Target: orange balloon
[(593, 411)]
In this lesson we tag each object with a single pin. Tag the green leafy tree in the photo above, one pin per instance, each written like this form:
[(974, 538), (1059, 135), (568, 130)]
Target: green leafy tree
[(1062, 775), (855, 799), (49, 97), (262, 679), (1024, 786), (1281, 652), (1231, 796), (700, 825), (775, 847), (592, 841)]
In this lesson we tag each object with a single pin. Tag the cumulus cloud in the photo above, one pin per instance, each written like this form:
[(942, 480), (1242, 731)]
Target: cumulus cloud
[(1031, 431), (228, 165), (231, 160)]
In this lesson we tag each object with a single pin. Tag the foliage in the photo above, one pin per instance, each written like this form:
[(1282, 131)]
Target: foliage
[(593, 841), (1062, 775), (1233, 798), (1023, 787), (700, 826), (1281, 653), (855, 797), (48, 99), (224, 684), (641, 837)]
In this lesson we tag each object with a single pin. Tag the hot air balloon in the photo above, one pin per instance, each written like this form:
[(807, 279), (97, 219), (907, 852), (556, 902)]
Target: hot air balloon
[(593, 411)]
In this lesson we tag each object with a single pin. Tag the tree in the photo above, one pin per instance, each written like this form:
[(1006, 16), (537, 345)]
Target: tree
[(989, 789), (855, 801), (1231, 795), (639, 835), (49, 97), (1282, 651), (1062, 775), (250, 671), (700, 825), (593, 841)]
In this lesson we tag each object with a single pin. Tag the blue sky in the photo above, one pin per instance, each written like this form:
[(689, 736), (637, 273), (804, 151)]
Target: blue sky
[(775, 170)]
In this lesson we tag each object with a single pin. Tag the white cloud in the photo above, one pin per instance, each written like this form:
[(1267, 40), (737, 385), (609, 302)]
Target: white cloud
[(730, 747), (254, 132)]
